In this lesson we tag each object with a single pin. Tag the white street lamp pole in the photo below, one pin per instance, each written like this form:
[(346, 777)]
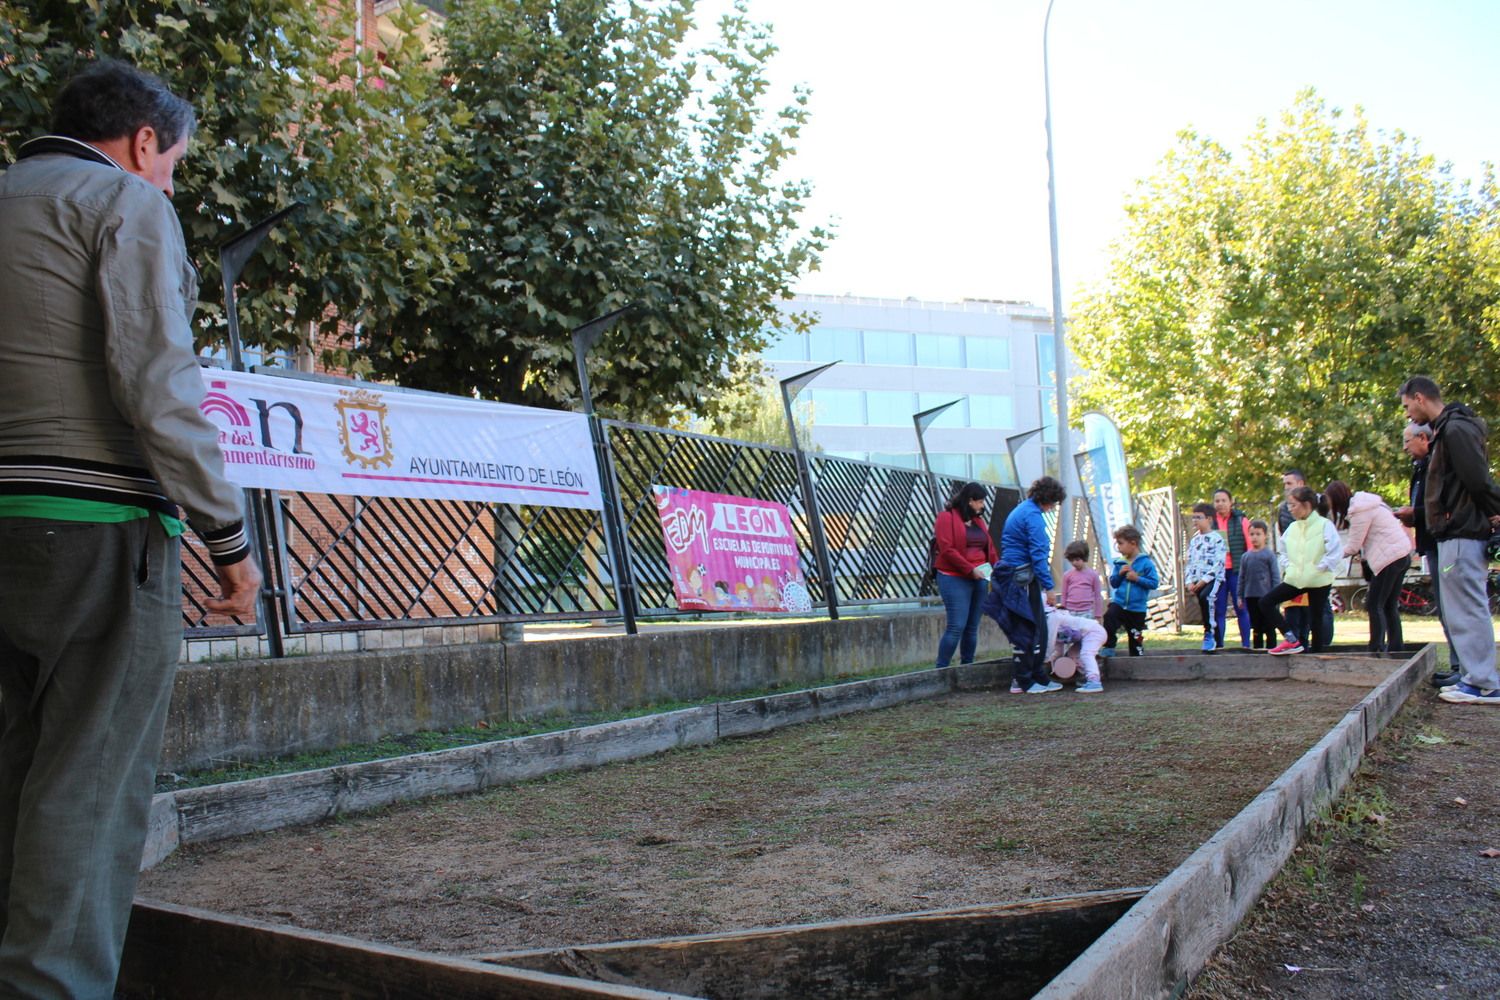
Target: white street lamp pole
[(1067, 470)]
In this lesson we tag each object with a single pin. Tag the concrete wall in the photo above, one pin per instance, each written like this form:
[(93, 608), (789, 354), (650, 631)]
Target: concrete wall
[(252, 709)]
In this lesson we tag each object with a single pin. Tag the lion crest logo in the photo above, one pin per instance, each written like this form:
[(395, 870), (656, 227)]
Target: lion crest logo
[(363, 430)]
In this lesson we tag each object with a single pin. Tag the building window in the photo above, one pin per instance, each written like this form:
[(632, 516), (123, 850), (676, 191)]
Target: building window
[(889, 409), (954, 416), (827, 343), (887, 347), (788, 346), (838, 407), (905, 460), (252, 356), (939, 350), (948, 464), (994, 469), (987, 353), (1046, 359), (1049, 416), (991, 412)]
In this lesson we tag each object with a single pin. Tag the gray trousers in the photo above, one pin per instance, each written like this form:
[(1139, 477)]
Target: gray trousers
[(90, 632), (1465, 607), (1437, 598)]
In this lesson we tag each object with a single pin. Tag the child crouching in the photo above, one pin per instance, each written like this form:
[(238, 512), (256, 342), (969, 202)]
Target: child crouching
[(1063, 630)]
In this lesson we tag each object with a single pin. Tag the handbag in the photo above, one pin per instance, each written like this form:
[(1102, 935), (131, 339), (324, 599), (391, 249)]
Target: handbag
[(929, 574)]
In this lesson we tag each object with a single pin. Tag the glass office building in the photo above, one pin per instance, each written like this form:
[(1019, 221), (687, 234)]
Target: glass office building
[(898, 357)]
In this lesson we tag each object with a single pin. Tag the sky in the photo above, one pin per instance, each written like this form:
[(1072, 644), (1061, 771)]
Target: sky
[(927, 147)]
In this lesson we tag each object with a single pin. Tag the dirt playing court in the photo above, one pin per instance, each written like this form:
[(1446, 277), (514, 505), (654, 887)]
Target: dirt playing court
[(971, 798)]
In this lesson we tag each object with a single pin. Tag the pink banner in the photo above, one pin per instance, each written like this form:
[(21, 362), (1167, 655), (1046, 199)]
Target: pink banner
[(730, 553)]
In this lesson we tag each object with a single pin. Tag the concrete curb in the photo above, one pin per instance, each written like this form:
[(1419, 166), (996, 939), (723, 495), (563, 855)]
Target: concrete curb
[(214, 812), (254, 709), (1157, 947)]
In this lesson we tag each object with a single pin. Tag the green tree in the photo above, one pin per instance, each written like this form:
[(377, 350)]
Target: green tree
[(606, 164), (288, 110), (1261, 310)]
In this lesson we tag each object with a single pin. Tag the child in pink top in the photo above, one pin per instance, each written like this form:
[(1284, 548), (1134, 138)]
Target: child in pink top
[(1082, 591)]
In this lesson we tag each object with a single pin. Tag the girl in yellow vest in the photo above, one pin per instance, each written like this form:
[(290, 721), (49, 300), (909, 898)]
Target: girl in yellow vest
[(1310, 553)]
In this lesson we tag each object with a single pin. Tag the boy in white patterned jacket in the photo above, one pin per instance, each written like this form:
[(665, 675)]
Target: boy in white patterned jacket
[(1207, 552)]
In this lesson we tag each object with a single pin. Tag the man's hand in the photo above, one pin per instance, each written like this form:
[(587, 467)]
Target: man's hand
[(1403, 514), (239, 584)]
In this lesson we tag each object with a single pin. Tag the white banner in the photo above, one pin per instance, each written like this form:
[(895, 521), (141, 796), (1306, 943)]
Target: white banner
[(367, 440)]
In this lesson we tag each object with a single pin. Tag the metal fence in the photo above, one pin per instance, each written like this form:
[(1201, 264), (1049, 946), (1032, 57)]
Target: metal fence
[(339, 563)]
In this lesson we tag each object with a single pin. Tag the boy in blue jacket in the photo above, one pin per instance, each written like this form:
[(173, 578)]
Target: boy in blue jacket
[(1132, 578)]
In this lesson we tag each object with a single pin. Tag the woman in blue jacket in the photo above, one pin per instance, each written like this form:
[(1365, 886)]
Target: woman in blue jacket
[(1022, 577)]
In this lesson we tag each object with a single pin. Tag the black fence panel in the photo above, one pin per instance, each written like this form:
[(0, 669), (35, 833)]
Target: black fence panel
[(647, 456)]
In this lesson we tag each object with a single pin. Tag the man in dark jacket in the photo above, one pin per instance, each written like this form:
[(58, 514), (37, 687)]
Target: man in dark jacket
[(100, 439), (1416, 441), (1461, 502)]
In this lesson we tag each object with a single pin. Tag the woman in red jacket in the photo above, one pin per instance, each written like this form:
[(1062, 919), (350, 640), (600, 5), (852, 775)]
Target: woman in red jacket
[(965, 557)]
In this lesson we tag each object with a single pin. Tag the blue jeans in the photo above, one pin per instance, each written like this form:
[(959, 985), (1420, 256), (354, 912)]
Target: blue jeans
[(962, 597)]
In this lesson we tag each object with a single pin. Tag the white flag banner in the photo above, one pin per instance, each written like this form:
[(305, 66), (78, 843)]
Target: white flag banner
[(364, 439)]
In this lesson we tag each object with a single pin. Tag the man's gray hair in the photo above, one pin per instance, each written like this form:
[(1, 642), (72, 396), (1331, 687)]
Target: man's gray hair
[(1414, 429)]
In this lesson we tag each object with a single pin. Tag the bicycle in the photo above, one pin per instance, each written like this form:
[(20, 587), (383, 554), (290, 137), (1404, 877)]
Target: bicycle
[(1417, 599)]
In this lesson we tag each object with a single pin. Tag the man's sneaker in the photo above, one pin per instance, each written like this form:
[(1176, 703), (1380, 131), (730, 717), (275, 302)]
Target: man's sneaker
[(1089, 687), (1468, 694), (1208, 644), (1043, 688), (1054, 686), (1106, 651), (1448, 679), (1286, 647)]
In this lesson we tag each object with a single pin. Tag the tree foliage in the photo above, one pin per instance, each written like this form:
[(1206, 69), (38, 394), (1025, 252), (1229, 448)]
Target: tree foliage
[(606, 164), (287, 110), (1261, 310)]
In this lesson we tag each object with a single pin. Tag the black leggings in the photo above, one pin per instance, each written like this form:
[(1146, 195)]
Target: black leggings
[(1384, 605), (1317, 602)]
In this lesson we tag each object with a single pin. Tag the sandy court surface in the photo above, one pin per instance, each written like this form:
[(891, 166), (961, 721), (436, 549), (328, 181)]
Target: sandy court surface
[(971, 798)]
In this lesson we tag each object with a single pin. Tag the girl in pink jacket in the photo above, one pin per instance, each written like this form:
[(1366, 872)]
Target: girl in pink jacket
[(1382, 542)]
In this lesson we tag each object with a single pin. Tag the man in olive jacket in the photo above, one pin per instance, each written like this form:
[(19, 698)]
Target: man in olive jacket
[(1462, 500), (100, 439)]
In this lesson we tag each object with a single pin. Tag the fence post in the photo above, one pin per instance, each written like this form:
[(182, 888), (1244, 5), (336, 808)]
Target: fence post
[(789, 388), (234, 254), (922, 421), (584, 338)]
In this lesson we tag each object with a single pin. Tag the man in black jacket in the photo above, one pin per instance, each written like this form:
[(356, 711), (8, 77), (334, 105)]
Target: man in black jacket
[(1416, 441), (1462, 502)]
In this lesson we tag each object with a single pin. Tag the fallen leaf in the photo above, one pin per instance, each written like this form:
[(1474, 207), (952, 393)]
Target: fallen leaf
[(1431, 739), (1490, 852), (1368, 907), (1460, 802), (1293, 969), (1375, 818)]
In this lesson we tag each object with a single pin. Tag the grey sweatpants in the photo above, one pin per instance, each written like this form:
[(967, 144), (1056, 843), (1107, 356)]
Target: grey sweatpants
[(1465, 608), (90, 631)]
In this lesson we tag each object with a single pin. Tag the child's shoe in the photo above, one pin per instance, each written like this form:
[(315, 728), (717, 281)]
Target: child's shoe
[(1089, 687), (1286, 648), (1106, 651), (1016, 688), (1043, 689), (1208, 644)]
